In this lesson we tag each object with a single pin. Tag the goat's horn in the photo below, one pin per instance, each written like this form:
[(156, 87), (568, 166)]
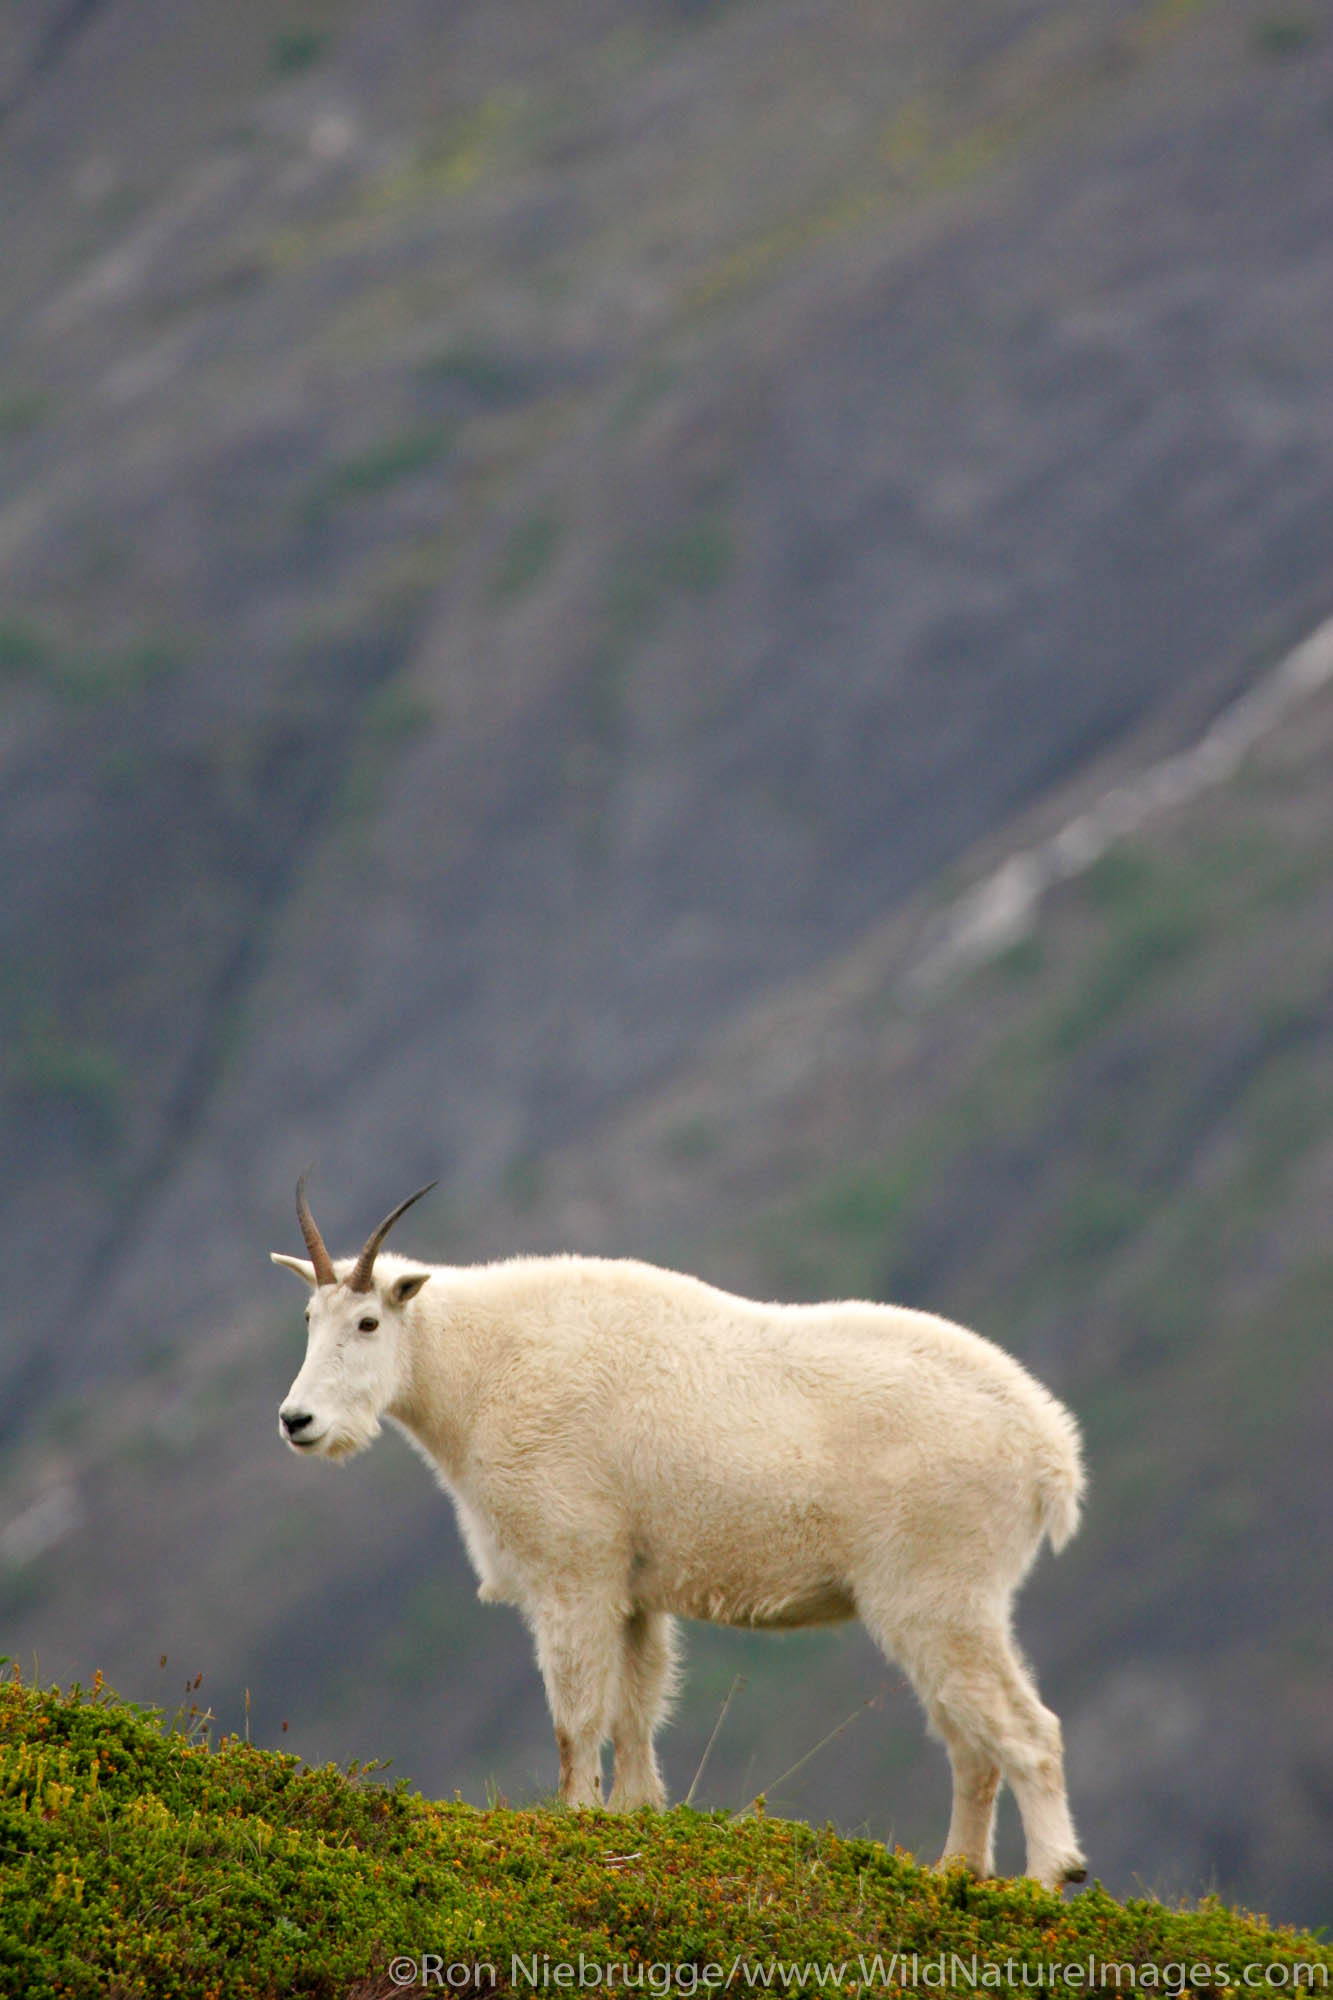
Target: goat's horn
[(358, 1280), (314, 1242)]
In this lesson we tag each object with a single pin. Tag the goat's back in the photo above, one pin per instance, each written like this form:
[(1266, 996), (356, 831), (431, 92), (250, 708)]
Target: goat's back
[(722, 1435)]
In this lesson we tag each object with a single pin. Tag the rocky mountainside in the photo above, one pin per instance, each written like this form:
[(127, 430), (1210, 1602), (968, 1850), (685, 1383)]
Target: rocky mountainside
[(539, 550)]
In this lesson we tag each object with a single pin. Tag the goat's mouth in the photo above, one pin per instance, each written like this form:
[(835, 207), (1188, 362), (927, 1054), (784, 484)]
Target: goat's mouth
[(332, 1444), (301, 1440)]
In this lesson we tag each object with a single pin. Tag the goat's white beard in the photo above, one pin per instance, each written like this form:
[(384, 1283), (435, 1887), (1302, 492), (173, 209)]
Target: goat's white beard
[(347, 1438)]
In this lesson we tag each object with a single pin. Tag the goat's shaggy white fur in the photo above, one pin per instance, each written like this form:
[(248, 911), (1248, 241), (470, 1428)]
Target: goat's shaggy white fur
[(624, 1444)]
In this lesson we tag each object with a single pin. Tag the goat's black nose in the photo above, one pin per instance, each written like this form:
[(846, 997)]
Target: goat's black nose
[(293, 1424)]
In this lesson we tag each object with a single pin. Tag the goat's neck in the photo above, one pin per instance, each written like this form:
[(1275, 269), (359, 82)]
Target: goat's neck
[(441, 1385)]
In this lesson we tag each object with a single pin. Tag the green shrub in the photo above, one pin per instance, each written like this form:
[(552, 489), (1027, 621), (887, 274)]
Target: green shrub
[(1154, 915), (491, 378), (365, 474), (1284, 35), (295, 50), (25, 652), (21, 411), (28, 655), (137, 1860), (638, 583), (528, 555), (1099, 1213), (697, 557), (47, 1067)]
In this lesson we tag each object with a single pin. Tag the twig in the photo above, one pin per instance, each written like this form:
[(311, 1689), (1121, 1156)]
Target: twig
[(846, 1723), (734, 1689)]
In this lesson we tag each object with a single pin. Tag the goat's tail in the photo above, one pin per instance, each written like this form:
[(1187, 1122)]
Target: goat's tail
[(1060, 1480)]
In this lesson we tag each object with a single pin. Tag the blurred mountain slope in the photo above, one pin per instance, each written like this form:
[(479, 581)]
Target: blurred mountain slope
[(528, 533)]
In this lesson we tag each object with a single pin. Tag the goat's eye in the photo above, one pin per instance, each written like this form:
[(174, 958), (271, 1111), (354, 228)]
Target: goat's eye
[(366, 1325)]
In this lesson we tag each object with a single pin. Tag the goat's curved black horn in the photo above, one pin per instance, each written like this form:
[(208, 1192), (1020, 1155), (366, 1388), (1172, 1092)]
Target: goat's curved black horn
[(314, 1242), (360, 1277)]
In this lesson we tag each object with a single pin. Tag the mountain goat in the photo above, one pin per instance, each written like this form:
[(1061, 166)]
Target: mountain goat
[(625, 1445)]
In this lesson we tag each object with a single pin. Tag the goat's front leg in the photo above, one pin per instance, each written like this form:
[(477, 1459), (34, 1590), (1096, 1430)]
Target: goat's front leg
[(579, 1652), (647, 1680)]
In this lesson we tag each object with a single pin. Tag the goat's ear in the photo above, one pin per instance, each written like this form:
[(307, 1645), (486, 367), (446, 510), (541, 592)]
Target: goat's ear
[(297, 1264), (405, 1288)]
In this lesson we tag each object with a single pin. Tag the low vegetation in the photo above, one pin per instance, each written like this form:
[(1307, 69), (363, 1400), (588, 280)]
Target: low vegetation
[(138, 1859), (405, 455), (29, 658)]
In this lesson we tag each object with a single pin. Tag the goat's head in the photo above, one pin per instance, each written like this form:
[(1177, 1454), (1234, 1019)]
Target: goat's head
[(355, 1365)]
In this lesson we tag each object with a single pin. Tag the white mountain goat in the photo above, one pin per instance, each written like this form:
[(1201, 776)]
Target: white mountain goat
[(624, 1445)]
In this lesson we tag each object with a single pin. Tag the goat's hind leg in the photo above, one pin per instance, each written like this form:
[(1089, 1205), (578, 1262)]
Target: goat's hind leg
[(984, 1696), (1034, 1768), (976, 1781), (981, 1699)]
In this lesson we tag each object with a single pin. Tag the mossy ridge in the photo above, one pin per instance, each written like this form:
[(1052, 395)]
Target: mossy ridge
[(137, 1859)]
